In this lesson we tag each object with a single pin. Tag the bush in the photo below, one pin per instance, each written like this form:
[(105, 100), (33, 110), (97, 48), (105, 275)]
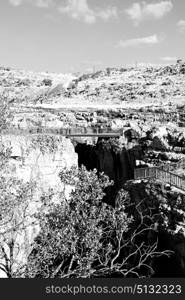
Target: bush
[(5, 114), (47, 82), (15, 196), (84, 237), (45, 143), (113, 144)]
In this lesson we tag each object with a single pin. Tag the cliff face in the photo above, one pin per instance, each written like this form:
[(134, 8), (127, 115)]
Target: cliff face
[(40, 160), (32, 164), (119, 166)]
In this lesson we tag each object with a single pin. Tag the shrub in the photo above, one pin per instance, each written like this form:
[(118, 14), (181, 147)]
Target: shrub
[(84, 237), (45, 143), (15, 196), (5, 114), (47, 82)]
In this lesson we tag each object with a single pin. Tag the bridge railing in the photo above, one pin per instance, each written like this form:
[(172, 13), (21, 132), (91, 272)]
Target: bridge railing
[(170, 178), (80, 131), (142, 173), (160, 174)]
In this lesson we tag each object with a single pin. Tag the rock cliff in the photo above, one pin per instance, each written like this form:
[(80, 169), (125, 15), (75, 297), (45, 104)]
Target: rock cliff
[(30, 163)]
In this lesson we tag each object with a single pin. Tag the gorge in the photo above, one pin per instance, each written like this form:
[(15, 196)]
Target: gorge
[(151, 127)]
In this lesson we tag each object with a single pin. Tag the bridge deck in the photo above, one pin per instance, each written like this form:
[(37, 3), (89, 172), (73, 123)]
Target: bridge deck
[(94, 135), (67, 132)]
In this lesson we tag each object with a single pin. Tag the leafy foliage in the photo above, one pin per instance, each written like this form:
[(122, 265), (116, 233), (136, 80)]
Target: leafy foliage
[(5, 114), (4, 155), (45, 143), (15, 196), (47, 82), (85, 237), (113, 144)]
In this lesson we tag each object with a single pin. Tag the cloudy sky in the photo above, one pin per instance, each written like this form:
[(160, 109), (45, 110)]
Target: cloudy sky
[(76, 35)]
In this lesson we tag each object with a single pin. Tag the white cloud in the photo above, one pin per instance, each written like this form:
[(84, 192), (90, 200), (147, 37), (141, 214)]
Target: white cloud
[(106, 14), (38, 3), (80, 10), (139, 12), (144, 41), (169, 58), (16, 2), (181, 26), (76, 9), (42, 3)]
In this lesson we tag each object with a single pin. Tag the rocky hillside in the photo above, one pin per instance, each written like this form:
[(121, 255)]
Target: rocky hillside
[(115, 85), (108, 97), (147, 107)]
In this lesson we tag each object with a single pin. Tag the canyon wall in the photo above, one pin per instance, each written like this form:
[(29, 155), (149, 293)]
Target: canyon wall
[(32, 164), (119, 166)]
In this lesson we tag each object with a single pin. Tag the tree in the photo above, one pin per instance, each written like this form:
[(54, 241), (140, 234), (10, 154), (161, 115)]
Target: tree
[(5, 114), (47, 82), (14, 215), (85, 237), (15, 197)]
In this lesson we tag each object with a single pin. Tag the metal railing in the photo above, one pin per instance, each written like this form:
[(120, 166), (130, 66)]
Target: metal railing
[(160, 174), (68, 132)]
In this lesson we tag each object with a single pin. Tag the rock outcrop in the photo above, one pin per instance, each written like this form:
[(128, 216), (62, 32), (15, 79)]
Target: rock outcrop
[(119, 166)]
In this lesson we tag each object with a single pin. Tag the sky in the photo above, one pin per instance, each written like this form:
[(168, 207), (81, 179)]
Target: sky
[(80, 35)]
